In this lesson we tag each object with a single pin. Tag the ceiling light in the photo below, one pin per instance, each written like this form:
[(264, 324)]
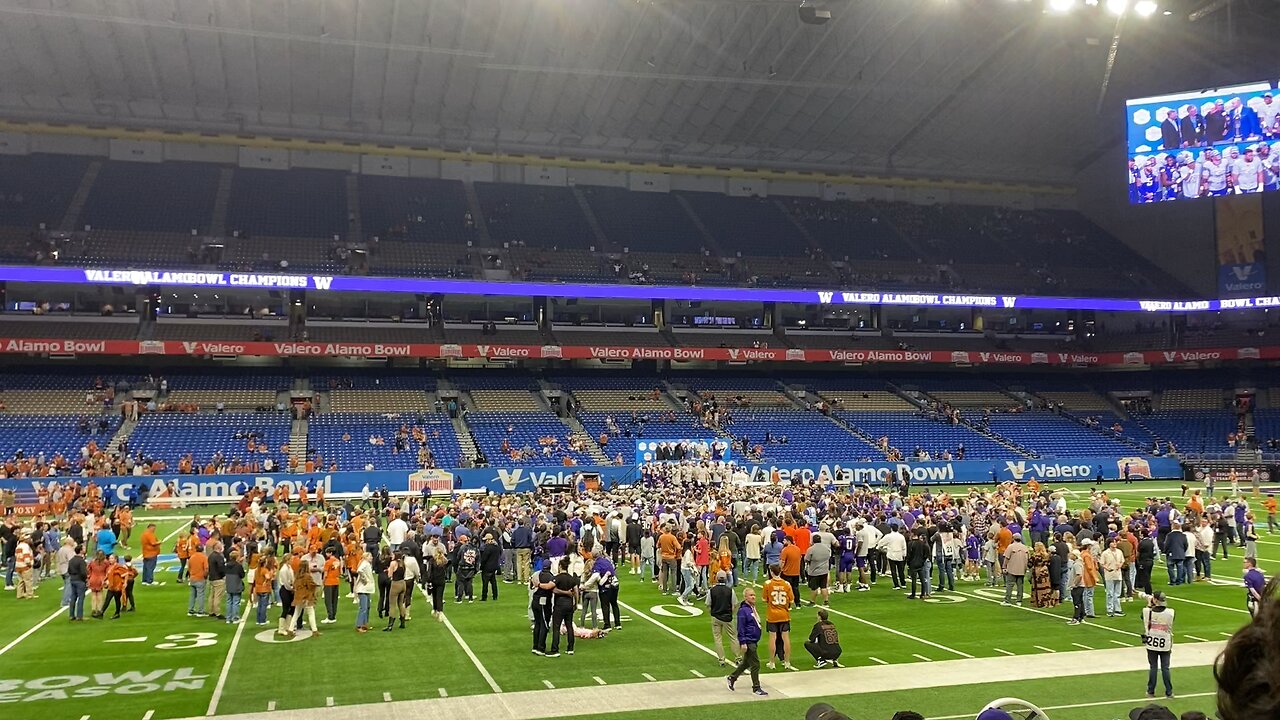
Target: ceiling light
[(1117, 7), (1145, 8), (1062, 6)]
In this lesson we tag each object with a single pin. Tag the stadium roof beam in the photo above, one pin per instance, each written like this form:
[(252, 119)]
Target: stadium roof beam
[(996, 49)]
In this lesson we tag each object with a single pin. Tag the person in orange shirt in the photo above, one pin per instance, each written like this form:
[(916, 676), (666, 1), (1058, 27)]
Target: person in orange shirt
[(1270, 504), (332, 576), (263, 579), (302, 490), (197, 578), (353, 551), (150, 555), (117, 576), (125, 517), (182, 549), (778, 597), (1004, 538), (790, 561)]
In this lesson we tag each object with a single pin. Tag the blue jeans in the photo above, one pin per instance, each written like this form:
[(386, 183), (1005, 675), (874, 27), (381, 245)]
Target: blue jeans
[(233, 607), (362, 611), (1188, 569), (148, 570), (264, 600), (1172, 566), (66, 591), (1113, 595), (1160, 659), (946, 574), (1206, 562), (196, 603), (78, 588), (9, 564), (927, 574), (1088, 602), (688, 583), (752, 570)]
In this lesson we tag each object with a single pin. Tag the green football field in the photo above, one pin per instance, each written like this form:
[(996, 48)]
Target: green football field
[(160, 663)]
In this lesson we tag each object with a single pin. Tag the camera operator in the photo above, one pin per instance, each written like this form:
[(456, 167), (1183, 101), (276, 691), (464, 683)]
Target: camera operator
[(1157, 636)]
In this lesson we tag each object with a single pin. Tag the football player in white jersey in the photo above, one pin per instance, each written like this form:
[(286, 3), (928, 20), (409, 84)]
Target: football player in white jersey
[(1189, 183), (1214, 174), (1246, 173)]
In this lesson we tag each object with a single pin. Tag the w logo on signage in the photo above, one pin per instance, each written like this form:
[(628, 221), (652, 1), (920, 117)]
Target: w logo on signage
[(825, 297), (1008, 300), (1242, 272), (322, 282)]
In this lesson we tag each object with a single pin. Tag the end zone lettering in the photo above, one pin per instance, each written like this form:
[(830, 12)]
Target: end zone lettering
[(64, 687)]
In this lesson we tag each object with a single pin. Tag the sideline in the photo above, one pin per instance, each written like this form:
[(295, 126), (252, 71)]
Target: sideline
[(692, 693)]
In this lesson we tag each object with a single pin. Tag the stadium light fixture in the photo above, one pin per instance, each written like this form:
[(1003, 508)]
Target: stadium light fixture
[(1062, 6), (1117, 7), (1145, 8)]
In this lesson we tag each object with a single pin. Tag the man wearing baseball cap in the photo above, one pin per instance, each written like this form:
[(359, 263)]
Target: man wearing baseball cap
[(1157, 636)]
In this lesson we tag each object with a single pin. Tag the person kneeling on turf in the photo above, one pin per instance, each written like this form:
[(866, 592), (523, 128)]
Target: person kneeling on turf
[(824, 642)]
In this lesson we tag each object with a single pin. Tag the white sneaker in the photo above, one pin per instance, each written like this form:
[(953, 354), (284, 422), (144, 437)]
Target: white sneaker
[(351, 594), (771, 666)]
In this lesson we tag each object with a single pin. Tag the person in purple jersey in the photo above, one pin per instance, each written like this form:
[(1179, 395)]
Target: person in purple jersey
[(848, 544), (1254, 584)]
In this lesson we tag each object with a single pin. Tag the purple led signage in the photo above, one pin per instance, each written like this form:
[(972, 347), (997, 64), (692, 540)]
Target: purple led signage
[(340, 283)]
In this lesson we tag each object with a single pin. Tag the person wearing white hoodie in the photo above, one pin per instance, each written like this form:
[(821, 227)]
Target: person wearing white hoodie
[(894, 547)]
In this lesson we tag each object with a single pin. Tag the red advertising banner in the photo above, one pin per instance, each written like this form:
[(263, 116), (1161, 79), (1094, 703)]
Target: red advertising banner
[(201, 348)]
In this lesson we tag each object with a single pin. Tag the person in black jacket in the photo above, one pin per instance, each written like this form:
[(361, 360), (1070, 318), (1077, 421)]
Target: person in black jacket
[(78, 578), (1145, 562), (490, 563), (634, 532), (824, 642), (467, 557), (721, 604), (917, 553), (371, 536)]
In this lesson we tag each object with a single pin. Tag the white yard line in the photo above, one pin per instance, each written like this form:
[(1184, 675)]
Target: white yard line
[(1205, 604), (1227, 634), (599, 680), (443, 692), (899, 633), (271, 706), (1121, 643), (386, 697), (328, 702), (226, 668), (548, 684), (1082, 646), (673, 631), (1005, 652), (1049, 614), (148, 715), (484, 672), (648, 677), (695, 673), (877, 661), (1197, 639), (1041, 647), (890, 630), (921, 657), (14, 643)]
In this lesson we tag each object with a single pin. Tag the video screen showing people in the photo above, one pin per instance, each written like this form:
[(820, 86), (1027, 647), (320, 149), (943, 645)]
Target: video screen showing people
[(1209, 143)]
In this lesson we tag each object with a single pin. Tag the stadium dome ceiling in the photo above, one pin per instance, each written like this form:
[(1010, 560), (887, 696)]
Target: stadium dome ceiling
[(991, 89)]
